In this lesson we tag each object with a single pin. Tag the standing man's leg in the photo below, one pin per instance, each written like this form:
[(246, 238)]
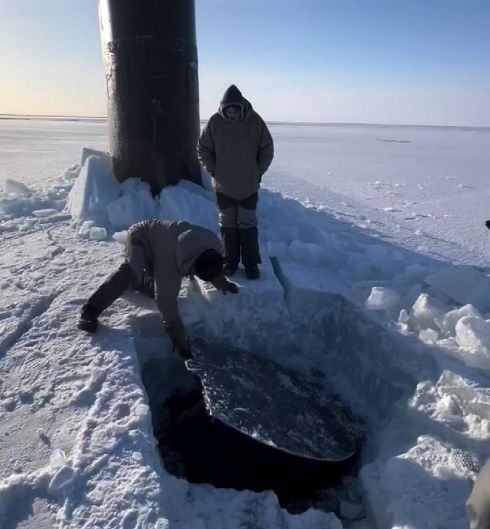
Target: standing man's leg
[(228, 222), (249, 235)]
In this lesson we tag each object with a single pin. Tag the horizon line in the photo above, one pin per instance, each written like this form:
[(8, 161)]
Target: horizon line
[(74, 117)]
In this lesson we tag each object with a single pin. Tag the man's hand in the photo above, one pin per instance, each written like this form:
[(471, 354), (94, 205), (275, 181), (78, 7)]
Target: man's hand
[(230, 287), (176, 332), (221, 283)]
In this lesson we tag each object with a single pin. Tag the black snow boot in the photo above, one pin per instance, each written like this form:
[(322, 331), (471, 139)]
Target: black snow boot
[(231, 242), (252, 272), (88, 319), (249, 245)]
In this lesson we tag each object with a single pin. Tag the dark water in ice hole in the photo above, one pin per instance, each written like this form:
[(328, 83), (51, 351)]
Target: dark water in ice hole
[(202, 451)]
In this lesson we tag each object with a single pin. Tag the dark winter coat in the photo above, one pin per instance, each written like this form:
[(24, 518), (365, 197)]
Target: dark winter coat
[(236, 153), (170, 249)]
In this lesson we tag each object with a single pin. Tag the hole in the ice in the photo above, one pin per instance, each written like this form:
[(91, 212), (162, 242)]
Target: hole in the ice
[(204, 450)]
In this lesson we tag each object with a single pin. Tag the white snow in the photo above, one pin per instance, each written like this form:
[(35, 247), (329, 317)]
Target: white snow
[(76, 443)]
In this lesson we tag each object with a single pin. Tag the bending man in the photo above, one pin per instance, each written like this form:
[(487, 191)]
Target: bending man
[(161, 252)]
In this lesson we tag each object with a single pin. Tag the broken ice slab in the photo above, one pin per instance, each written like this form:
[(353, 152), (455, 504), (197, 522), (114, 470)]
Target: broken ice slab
[(465, 284), (87, 151), (93, 190), (267, 287), (305, 287), (248, 319)]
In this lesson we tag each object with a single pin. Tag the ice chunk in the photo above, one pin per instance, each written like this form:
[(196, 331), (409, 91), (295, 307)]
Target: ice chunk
[(465, 284), (170, 206), (382, 298), (93, 190), (43, 213), (57, 459), (131, 208), (86, 152), (426, 310), (448, 322), (13, 187), (429, 336), (85, 228), (403, 316), (120, 236), (187, 201), (473, 334), (61, 479), (260, 304), (413, 491), (98, 234)]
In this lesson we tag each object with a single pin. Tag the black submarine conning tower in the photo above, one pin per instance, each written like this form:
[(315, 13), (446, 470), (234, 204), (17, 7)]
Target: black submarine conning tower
[(150, 56)]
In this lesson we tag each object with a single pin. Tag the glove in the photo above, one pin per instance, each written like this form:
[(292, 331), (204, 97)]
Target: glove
[(176, 332), (221, 283), (230, 287)]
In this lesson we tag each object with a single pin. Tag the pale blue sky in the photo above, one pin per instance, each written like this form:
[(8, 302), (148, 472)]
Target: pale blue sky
[(381, 61)]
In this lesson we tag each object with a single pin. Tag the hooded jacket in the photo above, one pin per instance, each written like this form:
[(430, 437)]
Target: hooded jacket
[(236, 153), (170, 249)]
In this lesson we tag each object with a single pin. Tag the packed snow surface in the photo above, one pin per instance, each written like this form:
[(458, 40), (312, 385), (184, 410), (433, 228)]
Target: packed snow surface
[(375, 274)]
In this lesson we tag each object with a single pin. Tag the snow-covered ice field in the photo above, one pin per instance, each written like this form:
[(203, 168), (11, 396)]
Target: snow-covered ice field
[(375, 273)]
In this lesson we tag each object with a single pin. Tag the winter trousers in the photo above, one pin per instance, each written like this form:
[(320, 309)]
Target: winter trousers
[(134, 272), (238, 224)]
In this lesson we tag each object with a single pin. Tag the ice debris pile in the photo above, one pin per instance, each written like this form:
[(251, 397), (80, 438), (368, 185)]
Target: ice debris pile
[(21, 208), (449, 308), (99, 204)]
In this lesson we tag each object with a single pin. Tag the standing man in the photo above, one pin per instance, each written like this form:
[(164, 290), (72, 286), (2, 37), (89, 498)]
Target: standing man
[(236, 148), (158, 254)]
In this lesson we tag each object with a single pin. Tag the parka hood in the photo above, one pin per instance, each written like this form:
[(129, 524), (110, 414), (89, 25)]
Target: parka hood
[(191, 244), (233, 96)]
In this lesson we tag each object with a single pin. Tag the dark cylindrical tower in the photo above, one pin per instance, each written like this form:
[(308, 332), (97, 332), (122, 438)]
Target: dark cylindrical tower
[(150, 55)]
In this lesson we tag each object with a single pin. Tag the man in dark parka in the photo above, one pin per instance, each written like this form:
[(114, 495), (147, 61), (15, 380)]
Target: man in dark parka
[(158, 254), (236, 148)]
